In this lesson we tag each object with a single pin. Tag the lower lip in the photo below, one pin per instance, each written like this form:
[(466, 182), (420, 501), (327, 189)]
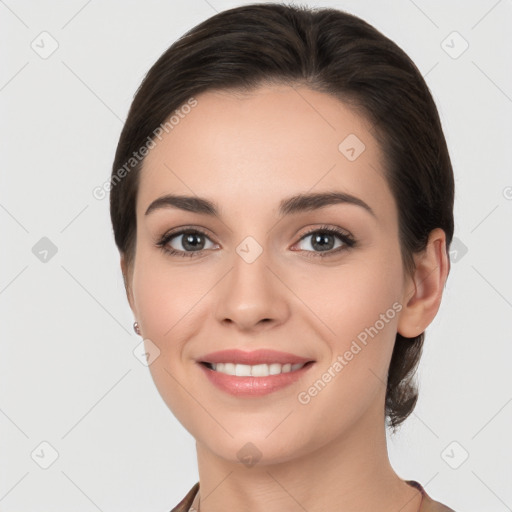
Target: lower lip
[(253, 386)]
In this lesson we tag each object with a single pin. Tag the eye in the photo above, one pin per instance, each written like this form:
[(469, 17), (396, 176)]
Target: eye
[(186, 242), (326, 241)]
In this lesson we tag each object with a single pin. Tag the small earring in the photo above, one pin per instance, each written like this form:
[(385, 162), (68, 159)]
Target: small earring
[(136, 327)]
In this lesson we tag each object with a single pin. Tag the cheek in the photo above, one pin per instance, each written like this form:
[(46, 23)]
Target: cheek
[(164, 296), (156, 304), (165, 299), (359, 303)]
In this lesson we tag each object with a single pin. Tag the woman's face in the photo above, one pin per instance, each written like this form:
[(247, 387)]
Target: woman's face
[(257, 277)]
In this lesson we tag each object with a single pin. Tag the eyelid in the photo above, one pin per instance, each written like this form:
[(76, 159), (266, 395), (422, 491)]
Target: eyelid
[(180, 230), (326, 228)]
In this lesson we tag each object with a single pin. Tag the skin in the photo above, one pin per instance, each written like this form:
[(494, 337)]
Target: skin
[(247, 152)]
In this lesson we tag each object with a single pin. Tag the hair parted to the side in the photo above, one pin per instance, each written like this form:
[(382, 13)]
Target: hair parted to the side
[(329, 51)]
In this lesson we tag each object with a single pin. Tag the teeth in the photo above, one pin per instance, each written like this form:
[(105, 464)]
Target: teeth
[(258, 370)]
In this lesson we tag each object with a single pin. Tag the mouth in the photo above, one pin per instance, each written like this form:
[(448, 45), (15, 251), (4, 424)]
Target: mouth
[(251, 381), (253, 373)]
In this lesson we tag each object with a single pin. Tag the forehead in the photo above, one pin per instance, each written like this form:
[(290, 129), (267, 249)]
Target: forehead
[(252, 149)]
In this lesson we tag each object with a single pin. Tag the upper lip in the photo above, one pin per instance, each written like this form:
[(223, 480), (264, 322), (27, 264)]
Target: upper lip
[(261, 356)]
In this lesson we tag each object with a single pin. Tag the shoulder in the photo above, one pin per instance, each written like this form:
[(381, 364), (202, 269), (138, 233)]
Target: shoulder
[(185, 504), (434, 506), (427, 503)]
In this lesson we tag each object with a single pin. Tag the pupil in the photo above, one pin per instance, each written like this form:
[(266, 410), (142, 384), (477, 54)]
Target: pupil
[(190, 240), (321, 240)]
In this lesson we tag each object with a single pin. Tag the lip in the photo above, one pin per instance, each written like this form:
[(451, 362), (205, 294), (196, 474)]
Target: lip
[(261, 356), (253, 386)]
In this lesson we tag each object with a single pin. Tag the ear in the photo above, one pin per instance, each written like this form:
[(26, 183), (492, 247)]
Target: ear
[(127, 283), (424, 290)]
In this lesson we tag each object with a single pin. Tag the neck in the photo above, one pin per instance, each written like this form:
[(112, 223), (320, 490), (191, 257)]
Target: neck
[(351, 471)]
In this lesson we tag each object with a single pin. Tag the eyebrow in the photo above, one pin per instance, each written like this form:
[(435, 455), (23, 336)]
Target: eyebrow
[(291, 205)]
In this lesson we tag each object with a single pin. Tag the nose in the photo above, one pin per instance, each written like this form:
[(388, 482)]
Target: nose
[(252, 297)]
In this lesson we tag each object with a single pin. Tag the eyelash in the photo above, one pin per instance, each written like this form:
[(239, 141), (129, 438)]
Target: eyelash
[(348, 241)]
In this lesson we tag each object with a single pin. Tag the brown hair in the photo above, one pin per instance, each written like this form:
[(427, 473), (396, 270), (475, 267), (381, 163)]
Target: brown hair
[(329, 51)]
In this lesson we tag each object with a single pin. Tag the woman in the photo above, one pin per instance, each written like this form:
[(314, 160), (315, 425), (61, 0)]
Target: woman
[(282, 200)]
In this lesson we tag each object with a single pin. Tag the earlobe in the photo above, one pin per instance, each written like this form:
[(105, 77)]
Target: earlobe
[(424, 290)]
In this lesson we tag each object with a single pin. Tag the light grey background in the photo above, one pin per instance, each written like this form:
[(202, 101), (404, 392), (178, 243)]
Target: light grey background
[(68, 373)]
